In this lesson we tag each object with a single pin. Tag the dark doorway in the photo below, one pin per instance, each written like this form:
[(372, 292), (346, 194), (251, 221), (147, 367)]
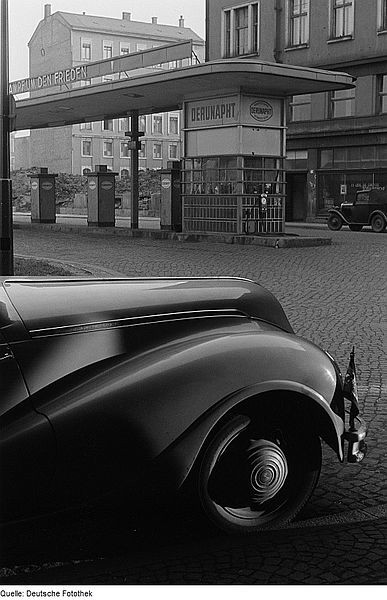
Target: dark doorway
[(296, 197)]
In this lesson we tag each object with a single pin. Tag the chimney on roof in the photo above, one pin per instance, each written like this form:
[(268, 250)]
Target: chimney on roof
[(47, 10), (154, 20), (126, 16), (181, 21)]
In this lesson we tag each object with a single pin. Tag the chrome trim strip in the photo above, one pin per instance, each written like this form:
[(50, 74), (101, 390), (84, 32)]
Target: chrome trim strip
[(138, 320)]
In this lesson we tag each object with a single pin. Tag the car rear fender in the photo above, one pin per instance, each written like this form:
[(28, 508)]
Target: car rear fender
[(377, 212)]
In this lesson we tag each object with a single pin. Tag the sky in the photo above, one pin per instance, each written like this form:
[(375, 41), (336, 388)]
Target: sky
[(24, 16)]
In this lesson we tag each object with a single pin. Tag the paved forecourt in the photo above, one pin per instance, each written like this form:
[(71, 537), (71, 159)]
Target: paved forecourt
[(334, 295)]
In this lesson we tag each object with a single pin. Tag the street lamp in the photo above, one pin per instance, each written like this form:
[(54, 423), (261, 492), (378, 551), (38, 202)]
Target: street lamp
[(6, 242)]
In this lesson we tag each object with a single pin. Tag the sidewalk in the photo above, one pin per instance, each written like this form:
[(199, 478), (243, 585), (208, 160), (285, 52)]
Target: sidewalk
[(150, 229)]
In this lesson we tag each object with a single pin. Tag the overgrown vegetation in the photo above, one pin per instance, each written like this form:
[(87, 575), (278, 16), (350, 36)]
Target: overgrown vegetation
[(67, 185), (38, 268)]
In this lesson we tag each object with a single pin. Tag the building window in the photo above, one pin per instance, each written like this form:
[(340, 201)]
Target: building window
[(172, 152), (382, 95), (124, 173), (124, 124), (124, 150), (86, 147), (342, 103), (107, 49), (142, 123), (85, 50), (298, 22), (241, 30), (173, 124), (86, 126), (107, 125), (300, 107), (108, 148), (142, 151), (124, 48), (140, 47), (157, 124), (86, 170), (382, 15), (342, 18), (157, 151)]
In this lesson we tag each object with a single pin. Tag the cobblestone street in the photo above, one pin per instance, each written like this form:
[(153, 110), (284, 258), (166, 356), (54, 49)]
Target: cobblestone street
[(333, 295)]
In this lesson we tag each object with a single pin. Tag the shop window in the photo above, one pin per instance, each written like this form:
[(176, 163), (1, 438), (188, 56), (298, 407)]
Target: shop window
[(326, 158), (241, 30), (85, 50), (86, 170), (382, 94), (124, 150), (108, 148), (342, 103), (342, 24), (157, 151), (157, 124), (298, 24), (381, 154), (301, 107), (86, 147)]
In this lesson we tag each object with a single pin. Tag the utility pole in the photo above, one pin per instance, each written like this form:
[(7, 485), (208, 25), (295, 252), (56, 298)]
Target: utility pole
[(6, 242)]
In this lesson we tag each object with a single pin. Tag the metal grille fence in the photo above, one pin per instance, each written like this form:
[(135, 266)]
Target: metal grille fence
[(263, 214), (235, 214), (215, 214)]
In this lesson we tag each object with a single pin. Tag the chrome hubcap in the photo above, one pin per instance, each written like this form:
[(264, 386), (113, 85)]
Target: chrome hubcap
[(268, 470)]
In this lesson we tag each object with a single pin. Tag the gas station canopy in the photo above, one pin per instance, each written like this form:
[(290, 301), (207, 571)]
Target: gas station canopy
[(167, 90)]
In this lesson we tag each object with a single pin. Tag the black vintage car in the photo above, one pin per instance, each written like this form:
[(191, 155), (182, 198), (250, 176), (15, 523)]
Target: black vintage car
[(119, 387), (368, 208)]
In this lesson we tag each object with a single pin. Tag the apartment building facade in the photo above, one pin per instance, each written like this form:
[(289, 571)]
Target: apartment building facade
[(62, 40), (336, 141)]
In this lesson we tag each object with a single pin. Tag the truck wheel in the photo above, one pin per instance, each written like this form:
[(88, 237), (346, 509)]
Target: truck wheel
[(378, 223), (253, 478), (334, 222)]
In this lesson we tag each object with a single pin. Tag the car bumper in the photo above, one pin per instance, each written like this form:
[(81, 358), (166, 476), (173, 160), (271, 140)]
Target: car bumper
[(355, 437)]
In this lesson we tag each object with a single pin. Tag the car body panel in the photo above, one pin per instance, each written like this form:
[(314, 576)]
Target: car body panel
[(138, 376)]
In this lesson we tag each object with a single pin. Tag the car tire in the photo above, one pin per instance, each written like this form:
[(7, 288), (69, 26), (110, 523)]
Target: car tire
[(378, 223), (334, 222), (356, 227), (254, 478)]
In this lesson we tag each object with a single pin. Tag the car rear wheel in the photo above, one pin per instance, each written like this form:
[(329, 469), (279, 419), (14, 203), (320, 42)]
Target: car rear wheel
[(356, 227), (255, 477), (378, 223), (334, 222)]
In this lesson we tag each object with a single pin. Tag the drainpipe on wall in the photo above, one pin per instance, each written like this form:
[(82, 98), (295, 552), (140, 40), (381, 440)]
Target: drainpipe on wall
[(277, 48)]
